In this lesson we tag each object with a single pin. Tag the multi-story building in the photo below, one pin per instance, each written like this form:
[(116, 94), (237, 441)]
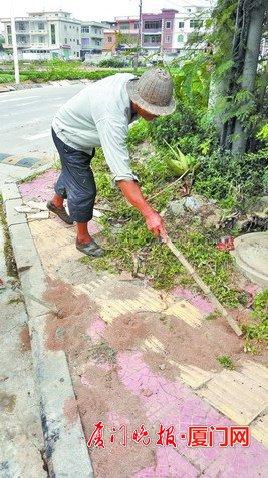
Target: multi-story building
[(110, 42), (166, 31), (157, 30), (129, 28), (92, 37), (188, 20), (45, 35)]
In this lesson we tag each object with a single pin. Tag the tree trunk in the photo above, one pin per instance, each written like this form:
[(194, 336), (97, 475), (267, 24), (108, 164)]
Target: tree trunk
[(250, 69)]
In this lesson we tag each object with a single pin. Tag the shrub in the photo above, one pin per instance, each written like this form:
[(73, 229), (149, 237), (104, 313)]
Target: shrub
[(231, 179), (138, 132), (172, 128), (113, 63)]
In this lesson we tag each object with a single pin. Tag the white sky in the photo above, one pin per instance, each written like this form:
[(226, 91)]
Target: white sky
[(93, 9)]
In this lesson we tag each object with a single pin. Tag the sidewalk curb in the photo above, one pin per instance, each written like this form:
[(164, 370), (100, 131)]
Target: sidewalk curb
[(6, 87), (65, 446)]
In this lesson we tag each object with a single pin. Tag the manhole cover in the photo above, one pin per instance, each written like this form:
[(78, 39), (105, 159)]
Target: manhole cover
[(251, 255)]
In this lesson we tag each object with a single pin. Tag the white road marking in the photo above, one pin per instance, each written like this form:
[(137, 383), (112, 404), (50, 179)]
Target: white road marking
[(38, 136), (23, 98), (28, 103)]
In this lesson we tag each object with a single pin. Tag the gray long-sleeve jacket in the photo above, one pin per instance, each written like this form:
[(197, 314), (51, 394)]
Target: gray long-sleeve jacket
[(99, 115)]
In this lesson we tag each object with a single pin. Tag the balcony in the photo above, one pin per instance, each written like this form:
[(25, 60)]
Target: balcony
[(39, 32), (100, 36), (23, 44), (152, 31), (22, 31)]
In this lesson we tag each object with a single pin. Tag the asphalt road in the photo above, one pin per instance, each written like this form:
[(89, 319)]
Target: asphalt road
[(25, 118)]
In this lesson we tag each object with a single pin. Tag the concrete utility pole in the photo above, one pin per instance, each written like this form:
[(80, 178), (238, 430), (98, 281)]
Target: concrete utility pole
[(140, 26), (14, 45)]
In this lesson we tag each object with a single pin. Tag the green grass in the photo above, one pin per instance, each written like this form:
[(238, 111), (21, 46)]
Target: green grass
[(257, 330), (8, 251), (226, 362), (125, 233)]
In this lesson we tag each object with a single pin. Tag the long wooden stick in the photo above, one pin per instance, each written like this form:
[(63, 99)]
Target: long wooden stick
[(204, 287)]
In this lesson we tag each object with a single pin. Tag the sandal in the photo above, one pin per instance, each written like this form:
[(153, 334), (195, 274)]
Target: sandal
[(91, 249), (60, 211)]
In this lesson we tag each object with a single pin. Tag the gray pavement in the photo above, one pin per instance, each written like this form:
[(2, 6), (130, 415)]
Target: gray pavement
[(21, 438)]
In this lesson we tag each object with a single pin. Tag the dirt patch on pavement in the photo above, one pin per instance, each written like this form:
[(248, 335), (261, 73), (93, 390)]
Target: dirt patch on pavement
[(102, 397), (97, 357), (25, 340), (127, 331)]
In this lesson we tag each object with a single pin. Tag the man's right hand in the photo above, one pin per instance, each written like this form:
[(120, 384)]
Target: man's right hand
[(156, 225), (132, 192)]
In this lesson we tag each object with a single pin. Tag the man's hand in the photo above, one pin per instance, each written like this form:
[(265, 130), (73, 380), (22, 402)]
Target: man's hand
[(155, 225), (132, 192)]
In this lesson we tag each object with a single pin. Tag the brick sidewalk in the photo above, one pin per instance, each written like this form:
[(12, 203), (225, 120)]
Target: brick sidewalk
[(137, 356)]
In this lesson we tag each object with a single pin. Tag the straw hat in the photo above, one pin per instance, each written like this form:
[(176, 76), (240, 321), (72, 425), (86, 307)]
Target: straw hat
[(153, 92)]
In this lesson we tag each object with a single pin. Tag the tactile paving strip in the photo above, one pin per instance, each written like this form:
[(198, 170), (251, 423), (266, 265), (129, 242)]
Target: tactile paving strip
[(236, 395)]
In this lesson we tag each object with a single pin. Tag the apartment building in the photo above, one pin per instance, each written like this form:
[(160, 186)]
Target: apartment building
[(43, 35), (110, 43), (166, 31), (186, 21), (92, 37), (128, 26)]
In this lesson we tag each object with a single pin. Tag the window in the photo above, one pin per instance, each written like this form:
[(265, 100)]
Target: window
[(21, 26), (77, 42), (168, 24), (196, 23), (189, 9), (85, 30), (167, 39), (41, 26), (123, 26), (155, 25), (136, 26), (180, 38), (65, 41), (152, 38), (65, 26), (9, 29), (52, 34), (77, 29), (77, 54), (109, 39), (181, 24)]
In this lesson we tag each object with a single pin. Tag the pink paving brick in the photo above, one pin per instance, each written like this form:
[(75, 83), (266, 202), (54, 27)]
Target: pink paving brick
[(42, 188), (169, 465), (96, 329), (172, 403), (202, 304)]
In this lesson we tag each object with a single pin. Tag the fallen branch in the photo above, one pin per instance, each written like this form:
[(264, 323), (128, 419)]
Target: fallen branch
[(208, 293), (170, 185)]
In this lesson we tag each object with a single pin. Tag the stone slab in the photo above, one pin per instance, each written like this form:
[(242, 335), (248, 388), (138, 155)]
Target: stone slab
[(24, 250), (10, 191), (33, 285), (13, 216), (65, 445)]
